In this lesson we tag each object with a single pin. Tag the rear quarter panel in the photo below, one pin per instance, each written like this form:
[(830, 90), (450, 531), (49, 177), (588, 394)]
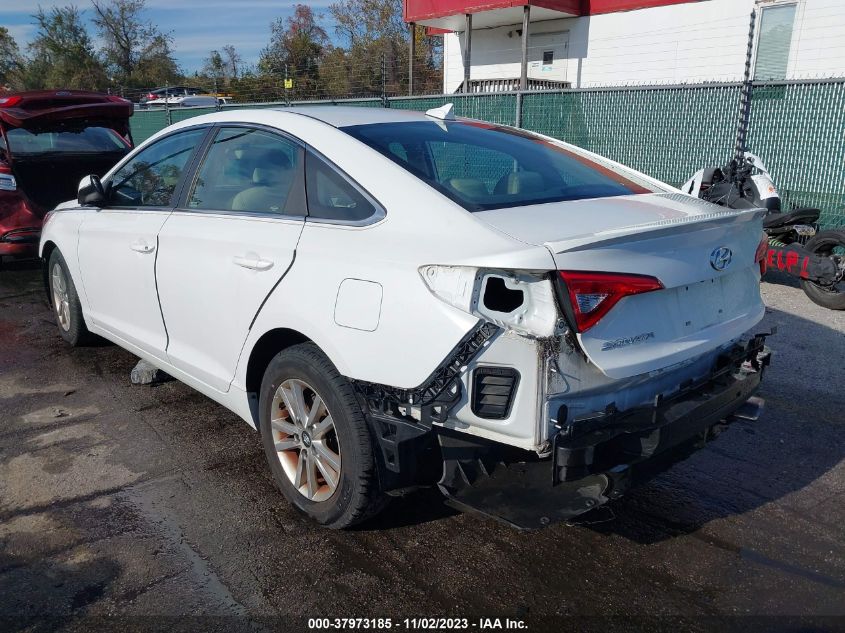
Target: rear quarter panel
[(415, 330)]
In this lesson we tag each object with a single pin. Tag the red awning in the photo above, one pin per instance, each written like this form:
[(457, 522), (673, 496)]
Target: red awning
[(448, 15)]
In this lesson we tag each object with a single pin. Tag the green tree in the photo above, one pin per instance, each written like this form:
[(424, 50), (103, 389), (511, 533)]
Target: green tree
[(296, 45), (62, 54), (11, 61), (372, 31), (137, 53), (215, 69)]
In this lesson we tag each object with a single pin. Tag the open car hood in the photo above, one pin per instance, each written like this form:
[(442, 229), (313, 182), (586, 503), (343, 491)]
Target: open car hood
[(47, 107)]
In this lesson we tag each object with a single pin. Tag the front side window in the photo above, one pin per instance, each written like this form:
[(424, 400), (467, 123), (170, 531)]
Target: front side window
[(251, 171), (331, 196), (482, 166), (149, 179)]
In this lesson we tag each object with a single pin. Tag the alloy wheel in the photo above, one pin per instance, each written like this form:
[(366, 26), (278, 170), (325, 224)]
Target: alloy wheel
[(305, 439), (60, 297)]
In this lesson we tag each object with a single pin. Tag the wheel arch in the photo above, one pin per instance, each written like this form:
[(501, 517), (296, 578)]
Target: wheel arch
[(265, 349), (46, 252)]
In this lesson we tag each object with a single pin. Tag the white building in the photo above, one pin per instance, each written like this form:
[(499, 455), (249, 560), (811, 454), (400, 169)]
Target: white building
[(586, 43)]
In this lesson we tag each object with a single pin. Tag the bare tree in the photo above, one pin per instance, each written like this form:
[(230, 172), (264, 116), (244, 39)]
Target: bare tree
[(131, 43), (232, 60)]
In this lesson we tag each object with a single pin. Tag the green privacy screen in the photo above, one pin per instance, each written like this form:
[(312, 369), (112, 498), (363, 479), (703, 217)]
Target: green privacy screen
[(668, 132), (798, 131)]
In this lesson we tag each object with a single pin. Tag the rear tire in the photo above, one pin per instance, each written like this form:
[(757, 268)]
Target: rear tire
[(65, 302), (316, 439), (827, 243)]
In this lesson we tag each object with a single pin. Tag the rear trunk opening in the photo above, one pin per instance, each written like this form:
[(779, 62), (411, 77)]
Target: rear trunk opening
[(49, 180)]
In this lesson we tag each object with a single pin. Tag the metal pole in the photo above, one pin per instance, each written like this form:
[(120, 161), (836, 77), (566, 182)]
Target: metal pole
[(384, 102), (167, 105), (523, 72), (412, 52), (467, 50), (287, 94), (745, 96)]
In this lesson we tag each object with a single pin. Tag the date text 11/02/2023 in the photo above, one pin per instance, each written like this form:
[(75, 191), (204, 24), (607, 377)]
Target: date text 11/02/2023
[(414, 624)]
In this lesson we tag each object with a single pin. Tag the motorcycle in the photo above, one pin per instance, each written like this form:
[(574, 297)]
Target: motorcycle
[(796, 246)]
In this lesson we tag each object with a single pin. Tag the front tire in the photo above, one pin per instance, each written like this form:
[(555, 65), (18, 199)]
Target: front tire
[(65, 301), (316, 439), (828, 244)]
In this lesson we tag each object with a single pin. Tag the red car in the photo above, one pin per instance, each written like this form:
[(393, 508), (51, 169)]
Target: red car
[(49, 140)]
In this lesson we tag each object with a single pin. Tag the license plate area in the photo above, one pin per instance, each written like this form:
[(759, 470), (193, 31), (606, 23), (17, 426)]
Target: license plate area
[(701, 304)]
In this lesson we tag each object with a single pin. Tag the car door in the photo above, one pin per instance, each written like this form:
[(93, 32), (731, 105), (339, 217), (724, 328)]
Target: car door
[(118, 243), (227, 246)]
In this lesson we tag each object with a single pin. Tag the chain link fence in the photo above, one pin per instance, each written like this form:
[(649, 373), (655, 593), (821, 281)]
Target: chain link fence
[(669, 132)]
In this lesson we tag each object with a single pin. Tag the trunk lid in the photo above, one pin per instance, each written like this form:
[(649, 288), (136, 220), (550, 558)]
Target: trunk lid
[(671, 237), (42, 108)]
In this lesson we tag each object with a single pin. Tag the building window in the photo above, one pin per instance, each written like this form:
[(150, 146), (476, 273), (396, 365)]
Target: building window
[(773, 41), (548, 58)]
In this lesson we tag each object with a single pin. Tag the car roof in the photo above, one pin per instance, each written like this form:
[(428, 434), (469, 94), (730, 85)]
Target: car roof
[(342, 116)]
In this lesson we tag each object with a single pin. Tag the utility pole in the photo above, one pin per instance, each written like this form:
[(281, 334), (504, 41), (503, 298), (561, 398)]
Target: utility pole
[(412, 52), (467, 50), (523, 72)]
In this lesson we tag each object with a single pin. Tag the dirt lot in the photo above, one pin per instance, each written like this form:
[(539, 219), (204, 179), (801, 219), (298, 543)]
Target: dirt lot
[(119, 501)]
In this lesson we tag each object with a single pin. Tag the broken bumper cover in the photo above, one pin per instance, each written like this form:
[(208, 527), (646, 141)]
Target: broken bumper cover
[(601, 458)]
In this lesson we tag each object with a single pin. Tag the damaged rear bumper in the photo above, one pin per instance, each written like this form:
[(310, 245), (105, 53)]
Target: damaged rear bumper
[(597, 458)]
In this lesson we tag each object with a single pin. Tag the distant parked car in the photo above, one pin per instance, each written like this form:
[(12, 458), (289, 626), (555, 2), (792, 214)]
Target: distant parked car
[(396, 299), (183, 96), (48, 140)]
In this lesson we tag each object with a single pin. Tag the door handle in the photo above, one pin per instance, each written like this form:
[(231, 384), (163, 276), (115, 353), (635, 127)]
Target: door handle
[(253, 263), (141, 246)]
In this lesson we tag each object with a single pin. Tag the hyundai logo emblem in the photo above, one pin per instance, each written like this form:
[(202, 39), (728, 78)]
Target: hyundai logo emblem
[(720, 258)]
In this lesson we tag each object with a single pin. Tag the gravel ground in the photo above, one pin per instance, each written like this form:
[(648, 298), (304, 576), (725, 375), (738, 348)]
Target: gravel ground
[(151, 507)]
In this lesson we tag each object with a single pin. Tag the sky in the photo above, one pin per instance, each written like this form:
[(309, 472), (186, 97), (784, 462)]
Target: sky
[(197, 26)]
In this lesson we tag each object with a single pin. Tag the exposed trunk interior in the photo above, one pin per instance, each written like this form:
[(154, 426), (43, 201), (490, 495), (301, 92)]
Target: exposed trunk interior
[(49, 180)]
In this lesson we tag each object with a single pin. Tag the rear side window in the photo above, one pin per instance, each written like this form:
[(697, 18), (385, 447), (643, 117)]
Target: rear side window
[(251, 171), (90, 140), (149, 179), (331, 196), (482, 166)]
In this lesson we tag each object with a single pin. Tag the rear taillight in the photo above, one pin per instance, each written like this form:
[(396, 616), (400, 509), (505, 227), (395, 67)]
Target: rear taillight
[(593, 295), (760, 255), (8, 102)]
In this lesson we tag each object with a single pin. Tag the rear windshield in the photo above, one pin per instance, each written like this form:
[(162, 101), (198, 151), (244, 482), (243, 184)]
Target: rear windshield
[(90, 140), (482, 166)]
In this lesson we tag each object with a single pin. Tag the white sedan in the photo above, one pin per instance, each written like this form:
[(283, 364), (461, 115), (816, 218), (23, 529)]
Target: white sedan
[(397, 299)]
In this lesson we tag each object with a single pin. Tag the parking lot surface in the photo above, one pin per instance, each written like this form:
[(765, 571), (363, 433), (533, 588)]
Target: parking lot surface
[(154, 505)]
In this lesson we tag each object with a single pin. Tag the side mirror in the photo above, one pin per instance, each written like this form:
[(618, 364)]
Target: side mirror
[(91, 191)]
